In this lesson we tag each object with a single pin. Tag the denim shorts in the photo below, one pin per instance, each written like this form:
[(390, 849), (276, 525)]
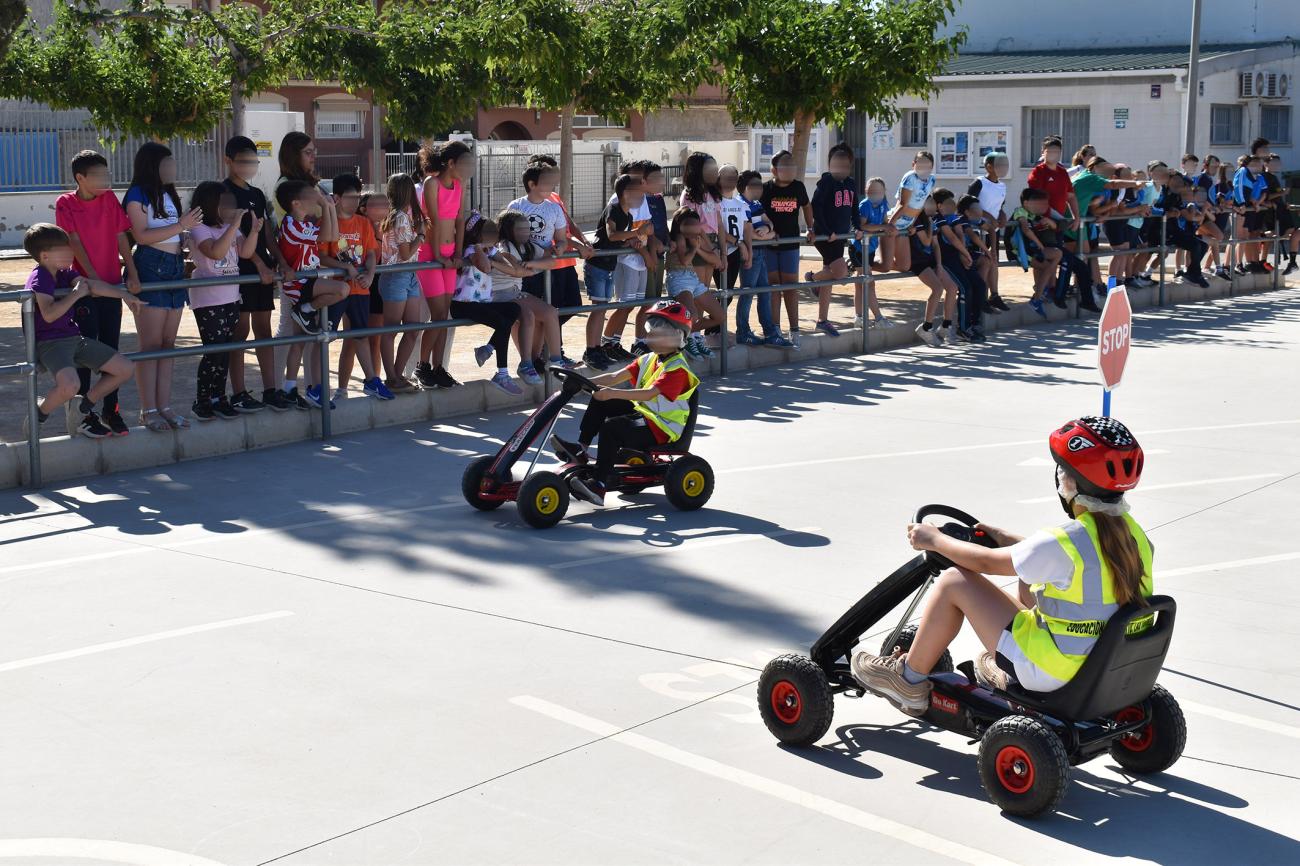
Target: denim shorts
[(600, 284), (399, 287), (782, 260), (155, 266), (684, 280)]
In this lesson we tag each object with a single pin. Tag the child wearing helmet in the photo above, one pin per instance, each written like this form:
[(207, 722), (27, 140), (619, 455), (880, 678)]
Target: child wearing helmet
[(652, 413), (1073, 577)]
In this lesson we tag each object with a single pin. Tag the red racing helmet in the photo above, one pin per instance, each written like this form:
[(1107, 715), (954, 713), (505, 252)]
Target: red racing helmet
[(673, 312), (1100, 454)]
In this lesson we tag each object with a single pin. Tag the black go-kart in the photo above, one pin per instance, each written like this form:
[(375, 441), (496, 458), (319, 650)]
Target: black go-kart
[(1028, 741), (543, 497)]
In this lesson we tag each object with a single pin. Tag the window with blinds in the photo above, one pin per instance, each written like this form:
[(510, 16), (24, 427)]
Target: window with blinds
[(1071, 124), (1226, 124)]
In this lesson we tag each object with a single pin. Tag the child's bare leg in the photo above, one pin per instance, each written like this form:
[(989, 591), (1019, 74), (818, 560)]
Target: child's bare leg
[(617, 322), (792, 307), (949, 297), (931, 281), (887, 243), (113, 375), (347, 356), (65, 388), (712, 310)]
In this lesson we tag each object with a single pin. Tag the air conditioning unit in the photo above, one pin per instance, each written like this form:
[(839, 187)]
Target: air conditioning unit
[(1262, 84)]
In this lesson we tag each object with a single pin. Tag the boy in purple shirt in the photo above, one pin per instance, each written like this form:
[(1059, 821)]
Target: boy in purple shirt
[(60, 347), (97, 227)]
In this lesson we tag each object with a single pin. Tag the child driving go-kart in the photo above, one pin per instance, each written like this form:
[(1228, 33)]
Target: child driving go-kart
[(652, 413), (1073, 577)]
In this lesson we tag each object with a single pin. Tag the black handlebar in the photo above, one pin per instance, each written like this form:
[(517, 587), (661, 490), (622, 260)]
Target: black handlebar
[(944, 511), (569, 377)]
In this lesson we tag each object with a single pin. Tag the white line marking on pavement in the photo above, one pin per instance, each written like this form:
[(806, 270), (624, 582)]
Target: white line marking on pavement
[(220, 536), (136, 641), (1147, 488), (1239, 719), (762, 784), (958, 448), (1231, 563), (100, 849), (687, 545)]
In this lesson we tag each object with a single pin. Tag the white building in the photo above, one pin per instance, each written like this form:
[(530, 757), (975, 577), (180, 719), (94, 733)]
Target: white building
[(1111, 76)]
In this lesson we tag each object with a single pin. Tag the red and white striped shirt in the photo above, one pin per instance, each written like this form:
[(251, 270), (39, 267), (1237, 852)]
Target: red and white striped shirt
[(298, 246)]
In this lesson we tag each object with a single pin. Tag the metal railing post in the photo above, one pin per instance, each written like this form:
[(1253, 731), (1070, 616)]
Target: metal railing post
[(1277, 248), (722, 299), (326, 393), (1234, 254), (33, 418), (864, 280), (553, 350), (1164, 251)]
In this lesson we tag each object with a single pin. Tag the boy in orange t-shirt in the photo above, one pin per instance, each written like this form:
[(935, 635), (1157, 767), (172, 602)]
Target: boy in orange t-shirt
[(356, 252)]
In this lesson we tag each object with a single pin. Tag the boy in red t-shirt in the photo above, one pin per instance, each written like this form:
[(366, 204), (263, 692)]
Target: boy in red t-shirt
[(97, 227), (1052, 178), (652, 413), (300, 242), (356, 251)]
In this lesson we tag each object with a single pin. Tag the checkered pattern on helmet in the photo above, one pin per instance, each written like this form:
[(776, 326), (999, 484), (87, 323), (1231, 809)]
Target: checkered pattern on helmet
[(1109, 430)]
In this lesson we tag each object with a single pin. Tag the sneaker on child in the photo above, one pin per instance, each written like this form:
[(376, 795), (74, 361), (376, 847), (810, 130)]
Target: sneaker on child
[(377, 389), (503, 381)]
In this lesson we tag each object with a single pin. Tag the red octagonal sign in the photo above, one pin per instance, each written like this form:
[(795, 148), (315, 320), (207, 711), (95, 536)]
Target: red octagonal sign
[(1113, 334)]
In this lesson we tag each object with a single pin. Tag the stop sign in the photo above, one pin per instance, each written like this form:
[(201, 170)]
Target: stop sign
[(1113, 333)]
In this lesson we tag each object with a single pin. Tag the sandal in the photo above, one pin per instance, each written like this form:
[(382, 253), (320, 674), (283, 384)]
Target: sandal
[(153, 422), (174, 421)]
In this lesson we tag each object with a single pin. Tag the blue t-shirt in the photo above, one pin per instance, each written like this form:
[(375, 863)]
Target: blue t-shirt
[(920, 190), (1247, 188), (873, 214), (755, 211), (952, 222)]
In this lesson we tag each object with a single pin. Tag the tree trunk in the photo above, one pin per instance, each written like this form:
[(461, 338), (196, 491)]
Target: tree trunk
[(566, 155), (803, 124), (238, 123)]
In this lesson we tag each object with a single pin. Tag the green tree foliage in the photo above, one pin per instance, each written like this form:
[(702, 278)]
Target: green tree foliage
[(12, 14), (807, 60)]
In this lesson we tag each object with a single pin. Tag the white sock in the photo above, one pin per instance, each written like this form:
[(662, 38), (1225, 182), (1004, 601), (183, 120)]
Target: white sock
[(912, 676), (502, 371), (290, 384), (306, 307)]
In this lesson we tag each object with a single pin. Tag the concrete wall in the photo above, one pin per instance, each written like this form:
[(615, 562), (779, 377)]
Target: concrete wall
[(1032, 25)]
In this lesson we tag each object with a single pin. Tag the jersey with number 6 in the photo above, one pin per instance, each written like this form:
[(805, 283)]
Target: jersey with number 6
[(735, 213)]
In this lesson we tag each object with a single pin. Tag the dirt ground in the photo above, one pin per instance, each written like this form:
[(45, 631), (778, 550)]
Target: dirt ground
[(901, 300)]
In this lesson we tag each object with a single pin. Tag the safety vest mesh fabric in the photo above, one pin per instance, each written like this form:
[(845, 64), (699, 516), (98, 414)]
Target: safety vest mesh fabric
[(1060, 631), (670, 416)]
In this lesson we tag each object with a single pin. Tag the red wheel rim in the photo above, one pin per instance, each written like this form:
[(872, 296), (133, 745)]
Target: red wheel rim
[(1015, 769), (1139, 740), (786, 702)]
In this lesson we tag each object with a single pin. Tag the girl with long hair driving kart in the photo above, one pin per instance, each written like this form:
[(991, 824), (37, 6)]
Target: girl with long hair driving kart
[(1073, 577), (654, 412)]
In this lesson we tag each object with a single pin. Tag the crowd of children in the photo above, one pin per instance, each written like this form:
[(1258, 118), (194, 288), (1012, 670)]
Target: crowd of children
[(727, 227)]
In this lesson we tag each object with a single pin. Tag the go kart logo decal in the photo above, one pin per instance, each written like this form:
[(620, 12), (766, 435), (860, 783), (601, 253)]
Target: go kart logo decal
[(939, 702), (1078, 443)]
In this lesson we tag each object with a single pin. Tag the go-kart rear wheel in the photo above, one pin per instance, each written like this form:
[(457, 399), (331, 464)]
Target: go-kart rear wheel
[(472, 481), (1023, 766), (1154, 748), (543, 500), (689, 482), (795, 700), (905, 637)]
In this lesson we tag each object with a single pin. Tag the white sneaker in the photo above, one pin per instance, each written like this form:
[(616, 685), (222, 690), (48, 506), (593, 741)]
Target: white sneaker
[(884, 322), (948, 334), (794, 338), (930, 337), (340, 394), (857, 321)]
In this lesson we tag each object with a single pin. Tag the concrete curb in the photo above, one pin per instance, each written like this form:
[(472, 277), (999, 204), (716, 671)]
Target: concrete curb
[(63, 458)]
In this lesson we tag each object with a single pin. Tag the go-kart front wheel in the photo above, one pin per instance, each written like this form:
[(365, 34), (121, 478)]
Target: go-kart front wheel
[(1023, 766), (795, 700), (904, 642), (1155, 747), (689, 482), (543, 500), (471, 483)]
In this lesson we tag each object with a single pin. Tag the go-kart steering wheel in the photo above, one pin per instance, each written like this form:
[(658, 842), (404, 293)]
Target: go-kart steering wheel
[(573, 377), (963, 530)]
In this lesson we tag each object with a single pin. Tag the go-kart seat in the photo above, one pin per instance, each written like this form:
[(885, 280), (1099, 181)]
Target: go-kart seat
[(1119, 672), (683, 443)]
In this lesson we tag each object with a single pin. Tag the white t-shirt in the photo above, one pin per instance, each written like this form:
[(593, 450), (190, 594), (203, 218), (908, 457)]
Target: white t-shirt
[(204, 267), (992, 195), (545, 218), (1041, 559), (639, 214), (735, 212)]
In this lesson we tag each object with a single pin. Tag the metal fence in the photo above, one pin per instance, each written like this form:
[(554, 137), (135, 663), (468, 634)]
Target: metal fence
[(37, 145)]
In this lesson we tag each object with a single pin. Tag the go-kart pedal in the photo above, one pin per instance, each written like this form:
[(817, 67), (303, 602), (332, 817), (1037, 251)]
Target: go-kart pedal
[(569, 452), (587, 489)]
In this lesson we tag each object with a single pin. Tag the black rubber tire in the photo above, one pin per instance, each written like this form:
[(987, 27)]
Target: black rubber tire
[(1161, 742), (685, 489), (798, 685), (905, 637), (543, 500), (472, 478), (1023, 741)]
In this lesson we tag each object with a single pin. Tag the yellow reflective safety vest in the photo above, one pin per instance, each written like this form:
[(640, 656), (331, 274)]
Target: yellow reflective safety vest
[(1058, 633), (670, 416)]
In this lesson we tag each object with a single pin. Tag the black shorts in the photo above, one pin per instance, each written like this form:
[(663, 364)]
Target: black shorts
[(1221, 220), (921, 262), (1285, 221), (1254, 221), (1117, 232), (256, 298), (355, 307), (832, 251), (564, 287), (376, 299), (1151, 230)]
